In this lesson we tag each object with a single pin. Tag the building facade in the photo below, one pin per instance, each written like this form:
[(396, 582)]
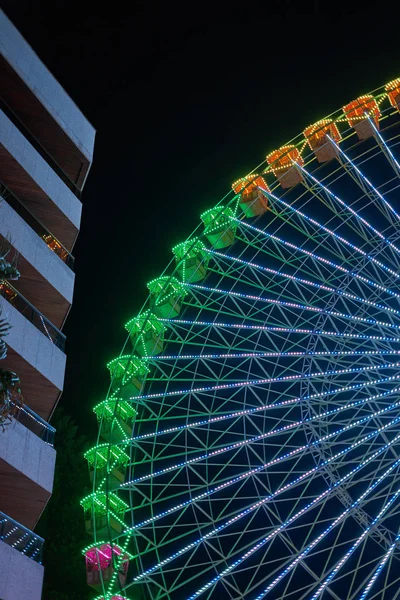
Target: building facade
[(46, 149)]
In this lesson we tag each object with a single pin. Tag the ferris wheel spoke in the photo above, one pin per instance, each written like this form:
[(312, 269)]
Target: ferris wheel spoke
[(176, 323), (259, 355), (364, 183), (386, 151), (363, 226), (317, 397), (296, 515), (308, 549), (255, 236), (263, 381), (380, 568), (277, 431), (309, 224), (300, 281), (354, 547), (298, 480), (293, 307), (300, 556)]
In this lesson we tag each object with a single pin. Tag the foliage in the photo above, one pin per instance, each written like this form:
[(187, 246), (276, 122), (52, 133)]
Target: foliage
[(62, 524), (8, 271), (8, 268), (10, 395)]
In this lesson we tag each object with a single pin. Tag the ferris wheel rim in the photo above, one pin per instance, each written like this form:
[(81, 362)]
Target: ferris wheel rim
[(172, 275)]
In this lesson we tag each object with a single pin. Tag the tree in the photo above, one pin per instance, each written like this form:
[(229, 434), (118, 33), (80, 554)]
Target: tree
[(62, 523)]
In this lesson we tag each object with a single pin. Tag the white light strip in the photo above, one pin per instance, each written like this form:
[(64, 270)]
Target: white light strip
[(308, 282), (262, 408), (333, 234), (255, 506), (262, 467), (309, 254), (361, 174), (257, 546), (261, 436), (255, 382), (351, 336), (239, 355), (286, 303), (379, 568), (340, 564), (351, 210)]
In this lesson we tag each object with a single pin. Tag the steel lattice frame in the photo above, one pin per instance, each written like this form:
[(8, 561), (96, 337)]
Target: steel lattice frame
[(263, 453)]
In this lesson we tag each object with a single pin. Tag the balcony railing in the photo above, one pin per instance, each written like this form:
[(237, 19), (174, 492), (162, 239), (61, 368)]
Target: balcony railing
[(38, 227), (32, 314), (15, 120), (18, 537), (29, 419)]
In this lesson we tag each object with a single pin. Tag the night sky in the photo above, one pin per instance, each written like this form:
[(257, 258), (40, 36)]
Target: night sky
[(185, 98)]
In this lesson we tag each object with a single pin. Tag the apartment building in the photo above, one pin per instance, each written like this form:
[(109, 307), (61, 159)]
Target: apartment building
[(46, 150)]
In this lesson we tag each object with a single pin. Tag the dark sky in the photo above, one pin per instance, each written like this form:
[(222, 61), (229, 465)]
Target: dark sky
[(185, 97)]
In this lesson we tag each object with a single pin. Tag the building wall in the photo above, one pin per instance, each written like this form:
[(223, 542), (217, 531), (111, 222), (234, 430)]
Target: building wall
[(46, 149), (21, 578)]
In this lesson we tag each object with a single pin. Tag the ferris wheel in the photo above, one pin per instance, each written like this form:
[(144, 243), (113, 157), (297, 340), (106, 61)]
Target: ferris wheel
[(249, 445)]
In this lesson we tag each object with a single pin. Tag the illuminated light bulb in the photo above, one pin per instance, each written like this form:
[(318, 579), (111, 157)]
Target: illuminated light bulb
[(393, 91)]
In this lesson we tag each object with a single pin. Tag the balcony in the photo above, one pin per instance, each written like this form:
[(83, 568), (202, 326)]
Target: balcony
[(26, 473), (29, 419), (50, 240), (32, 314), (43, 107), (45, 280), (27, 175), (20, 559), (35, 351)]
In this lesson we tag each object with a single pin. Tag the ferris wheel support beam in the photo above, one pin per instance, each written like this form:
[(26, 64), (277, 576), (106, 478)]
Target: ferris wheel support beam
[(379, 568), (317, 397), (345, 558), (350, 509), (319, 260), (299, 280), (386, 150), (365, 184), (216, 324), (306, 220), (363, 226), (312, 472), (301, 555), (320, 452)]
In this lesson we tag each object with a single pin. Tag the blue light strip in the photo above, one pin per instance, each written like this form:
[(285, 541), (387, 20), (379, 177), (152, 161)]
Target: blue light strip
[(270, 433), (262, 408), (322, 332), (239, 355), (310, 254), (351, 210), (307, 550), (285, 303), (389, 152), (332, 233), (348, 554), (379, 568), (309, 283), (256, 505), (372, 187), (263, 467), (255, 382), (257, 546)]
